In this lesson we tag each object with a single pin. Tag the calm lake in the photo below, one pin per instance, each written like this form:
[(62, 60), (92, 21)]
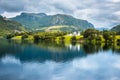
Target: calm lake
[(58, 61)]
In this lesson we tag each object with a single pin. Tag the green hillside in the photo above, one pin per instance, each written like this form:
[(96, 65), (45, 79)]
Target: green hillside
[(8, 26), (116, 28), (58, 28)]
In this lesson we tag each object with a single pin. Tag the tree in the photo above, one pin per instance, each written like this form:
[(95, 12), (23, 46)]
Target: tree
[(62, 38), (9, 36), (118, 33), (24, 36), (36, 38), (73, 38), (90, 34), (113, 34), (106, 35), (98, 38)]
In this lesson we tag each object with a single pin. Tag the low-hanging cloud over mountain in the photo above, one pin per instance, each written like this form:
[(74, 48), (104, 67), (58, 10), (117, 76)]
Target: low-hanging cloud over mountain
[(102, 13)]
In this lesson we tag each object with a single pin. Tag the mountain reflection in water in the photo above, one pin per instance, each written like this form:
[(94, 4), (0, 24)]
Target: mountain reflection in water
[(59, 61), (59, 52)]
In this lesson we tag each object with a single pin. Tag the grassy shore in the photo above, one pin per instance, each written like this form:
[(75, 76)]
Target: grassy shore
[(67, 39)]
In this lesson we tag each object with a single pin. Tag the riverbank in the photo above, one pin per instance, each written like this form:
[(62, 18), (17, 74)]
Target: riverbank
[(87, 36), (68, 39)]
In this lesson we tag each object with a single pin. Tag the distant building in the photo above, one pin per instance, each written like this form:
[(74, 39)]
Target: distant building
[(76, 33)]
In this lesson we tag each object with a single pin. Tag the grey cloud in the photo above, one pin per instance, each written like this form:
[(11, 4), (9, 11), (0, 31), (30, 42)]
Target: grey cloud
[(12, 5), (62, 8), (99, 12), (1, 10)]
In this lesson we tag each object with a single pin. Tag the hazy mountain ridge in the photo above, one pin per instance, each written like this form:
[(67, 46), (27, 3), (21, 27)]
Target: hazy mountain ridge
[(40, 20), (116, 28)]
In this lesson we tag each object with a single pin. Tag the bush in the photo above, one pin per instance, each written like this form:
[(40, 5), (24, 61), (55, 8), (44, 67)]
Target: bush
[(91, 34), (24, 36), (9, 36), (73, 38), (36, 37), (106, 35), (98, 38), (62, 38)]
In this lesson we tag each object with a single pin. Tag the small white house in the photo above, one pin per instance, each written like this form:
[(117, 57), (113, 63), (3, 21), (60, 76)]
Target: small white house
[(76, 33)]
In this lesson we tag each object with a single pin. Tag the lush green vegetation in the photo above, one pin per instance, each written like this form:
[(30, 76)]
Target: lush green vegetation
[(89, 35), (15, 31), (92, 35), (8, 26), (42, 21)]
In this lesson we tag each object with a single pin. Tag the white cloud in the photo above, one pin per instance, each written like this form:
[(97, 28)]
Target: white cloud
[(98, 12), (85, 65), (102, 65), (10, 59), (116, 1), (9, 15), (117, 13)]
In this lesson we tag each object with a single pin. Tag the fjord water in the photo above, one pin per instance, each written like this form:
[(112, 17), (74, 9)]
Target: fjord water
[(58, 61)]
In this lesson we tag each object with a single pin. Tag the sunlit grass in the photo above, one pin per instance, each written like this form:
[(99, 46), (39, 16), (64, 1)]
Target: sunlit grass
[(117, 37), (17, 38)]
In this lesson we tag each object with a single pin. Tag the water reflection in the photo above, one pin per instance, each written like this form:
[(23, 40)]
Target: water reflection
[(59, 61), (91, 67), (59, 52)]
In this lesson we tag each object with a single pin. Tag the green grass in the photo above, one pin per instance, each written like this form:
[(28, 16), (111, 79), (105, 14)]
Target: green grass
[(117, 37), (58, 28), (67, 39), (17, 38)]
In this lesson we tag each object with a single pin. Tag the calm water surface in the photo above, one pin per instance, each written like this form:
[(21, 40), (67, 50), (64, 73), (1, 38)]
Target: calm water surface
[(59, 61)]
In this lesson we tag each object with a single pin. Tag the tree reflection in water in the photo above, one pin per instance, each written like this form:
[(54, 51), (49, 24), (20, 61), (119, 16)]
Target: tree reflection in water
[(59, 52)]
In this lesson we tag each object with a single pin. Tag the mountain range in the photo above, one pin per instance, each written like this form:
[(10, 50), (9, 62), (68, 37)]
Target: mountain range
[(58, 22), (116, 28)]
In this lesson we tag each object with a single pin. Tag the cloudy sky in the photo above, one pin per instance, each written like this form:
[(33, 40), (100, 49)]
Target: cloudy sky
[(102, 13)]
